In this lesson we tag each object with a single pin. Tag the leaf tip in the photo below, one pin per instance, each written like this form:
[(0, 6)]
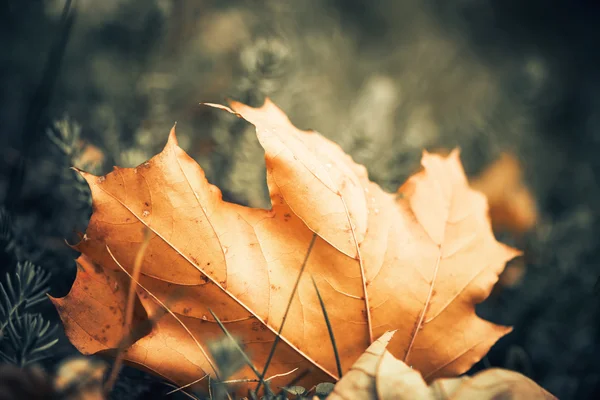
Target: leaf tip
[(172, 141), (387, 337), (54, 300), (268, 102), (510, 252), (455, 153), (267, 113), (59, 304), (222, 107), (85, 175), (234, 104)]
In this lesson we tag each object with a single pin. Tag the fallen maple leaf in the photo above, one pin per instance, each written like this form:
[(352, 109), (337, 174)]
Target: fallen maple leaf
[(512, 206), (379, 375), (416, 261)]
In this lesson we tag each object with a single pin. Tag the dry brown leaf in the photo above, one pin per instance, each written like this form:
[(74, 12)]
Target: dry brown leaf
[(512, 206), (416, 261), (379, 375)]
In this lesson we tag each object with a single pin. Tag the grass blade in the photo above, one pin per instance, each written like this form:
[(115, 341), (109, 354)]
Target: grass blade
[(329, 329), (236, 344), (137, 268), (287, 310)]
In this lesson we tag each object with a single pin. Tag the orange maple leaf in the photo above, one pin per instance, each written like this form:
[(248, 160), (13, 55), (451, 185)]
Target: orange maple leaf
[(416, 261)]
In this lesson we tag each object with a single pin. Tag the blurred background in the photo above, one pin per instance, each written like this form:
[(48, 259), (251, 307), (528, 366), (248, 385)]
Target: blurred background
[(93, 84)]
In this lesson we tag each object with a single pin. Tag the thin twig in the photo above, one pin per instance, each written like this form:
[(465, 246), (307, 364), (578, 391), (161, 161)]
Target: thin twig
[(137, 268), (287, 310), (329, 329)]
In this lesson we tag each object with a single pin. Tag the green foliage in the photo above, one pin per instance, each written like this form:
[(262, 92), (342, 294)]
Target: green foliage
[(65, 134), (24, 336)]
